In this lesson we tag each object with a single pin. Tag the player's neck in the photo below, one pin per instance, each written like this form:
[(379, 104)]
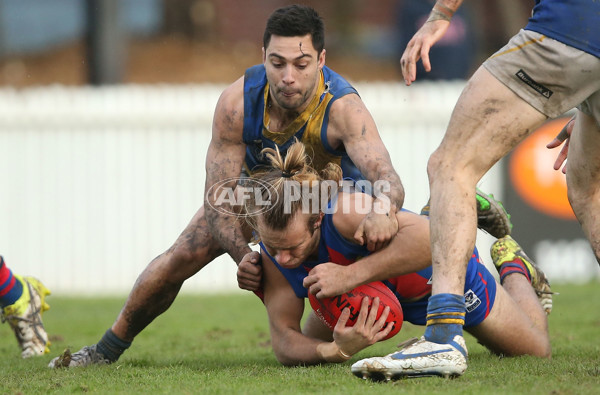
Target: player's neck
[(279, 117)]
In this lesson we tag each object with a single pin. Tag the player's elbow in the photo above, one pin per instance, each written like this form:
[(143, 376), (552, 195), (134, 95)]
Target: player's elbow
[(285, 359), (286, 355), (289, 362)]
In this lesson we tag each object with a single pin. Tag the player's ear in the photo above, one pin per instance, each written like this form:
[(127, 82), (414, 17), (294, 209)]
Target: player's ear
[(264, 54), (322, 59), (319, 221)]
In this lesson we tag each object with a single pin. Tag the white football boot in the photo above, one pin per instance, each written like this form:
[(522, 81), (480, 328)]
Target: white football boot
[(87, 356), (417, 358)]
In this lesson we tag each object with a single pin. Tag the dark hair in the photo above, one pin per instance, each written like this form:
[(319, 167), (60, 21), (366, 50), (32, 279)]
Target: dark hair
[(296, 20)]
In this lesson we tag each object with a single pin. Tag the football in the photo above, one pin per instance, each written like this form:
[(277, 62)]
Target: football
[(329, 309)]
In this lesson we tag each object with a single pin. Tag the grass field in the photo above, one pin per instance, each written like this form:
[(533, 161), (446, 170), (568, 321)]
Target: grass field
[(220, 345)]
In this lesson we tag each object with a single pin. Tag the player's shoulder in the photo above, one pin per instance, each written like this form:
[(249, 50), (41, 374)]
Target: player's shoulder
[(347, 108), (345, 114), (233, 95), (230, 106), (229, 112)]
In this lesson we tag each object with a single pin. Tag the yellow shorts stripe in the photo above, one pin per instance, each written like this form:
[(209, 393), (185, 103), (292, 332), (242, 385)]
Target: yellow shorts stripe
[(519, 47)]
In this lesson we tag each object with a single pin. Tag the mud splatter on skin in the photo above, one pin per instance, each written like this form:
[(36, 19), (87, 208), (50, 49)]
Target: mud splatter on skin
[(229, 120), (492, 107), (196, 248), (198, 240), (490, 111), (505, 132), (155, 305)]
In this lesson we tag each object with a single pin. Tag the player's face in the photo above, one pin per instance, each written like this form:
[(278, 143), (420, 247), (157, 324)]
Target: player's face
[(292, 246), (293, 70)]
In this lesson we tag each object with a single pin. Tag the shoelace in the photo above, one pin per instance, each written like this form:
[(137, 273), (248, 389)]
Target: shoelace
[(34, 318), (89, 352)]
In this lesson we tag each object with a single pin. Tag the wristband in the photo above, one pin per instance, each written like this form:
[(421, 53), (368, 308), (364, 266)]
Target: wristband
[(331, 352), (343, 354)]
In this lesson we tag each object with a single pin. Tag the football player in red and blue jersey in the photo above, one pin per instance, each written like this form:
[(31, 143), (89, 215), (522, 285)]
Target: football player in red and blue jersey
[(308, 246)]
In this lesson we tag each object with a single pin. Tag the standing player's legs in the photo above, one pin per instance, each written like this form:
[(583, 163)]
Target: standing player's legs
[(488, 121), (583, 173)]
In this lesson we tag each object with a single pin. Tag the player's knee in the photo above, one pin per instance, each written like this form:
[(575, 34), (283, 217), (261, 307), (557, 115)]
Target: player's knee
[(441, 167), (434, 166), (457, 168), (180, 255), (579, 199), (539, 346), (548, 351)]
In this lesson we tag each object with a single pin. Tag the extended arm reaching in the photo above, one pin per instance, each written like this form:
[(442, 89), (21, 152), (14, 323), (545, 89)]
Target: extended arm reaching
[(430, 33)]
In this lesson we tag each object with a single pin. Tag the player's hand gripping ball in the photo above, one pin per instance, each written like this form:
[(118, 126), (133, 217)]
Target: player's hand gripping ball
[(330, 309)]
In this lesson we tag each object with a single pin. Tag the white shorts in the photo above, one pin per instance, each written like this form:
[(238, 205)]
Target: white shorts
[(549, 75)]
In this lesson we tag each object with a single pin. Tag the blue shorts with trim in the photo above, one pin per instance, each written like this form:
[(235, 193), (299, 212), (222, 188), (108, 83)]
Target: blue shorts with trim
[(480, 294)]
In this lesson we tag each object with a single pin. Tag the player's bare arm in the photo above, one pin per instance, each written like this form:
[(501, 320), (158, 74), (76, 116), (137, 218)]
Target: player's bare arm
[(432, 30), (408, 252), (224, 160), (351, 127), (292, 347), (285, 311)]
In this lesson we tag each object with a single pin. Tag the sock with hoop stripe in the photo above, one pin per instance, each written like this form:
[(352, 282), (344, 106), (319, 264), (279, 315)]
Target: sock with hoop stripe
[(514, 266), (445, 318), (11, 288)]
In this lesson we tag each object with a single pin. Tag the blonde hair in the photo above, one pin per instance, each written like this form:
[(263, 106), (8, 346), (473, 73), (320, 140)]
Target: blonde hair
[(282, 174)]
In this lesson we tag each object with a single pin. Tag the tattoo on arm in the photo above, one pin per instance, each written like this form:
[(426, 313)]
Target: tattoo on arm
[(224, 161), (226, 229)]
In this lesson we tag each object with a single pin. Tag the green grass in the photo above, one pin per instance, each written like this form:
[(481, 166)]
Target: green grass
[(220, 345)]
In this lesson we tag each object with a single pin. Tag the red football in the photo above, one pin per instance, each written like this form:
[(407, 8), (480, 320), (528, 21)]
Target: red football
[(329, 309)]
